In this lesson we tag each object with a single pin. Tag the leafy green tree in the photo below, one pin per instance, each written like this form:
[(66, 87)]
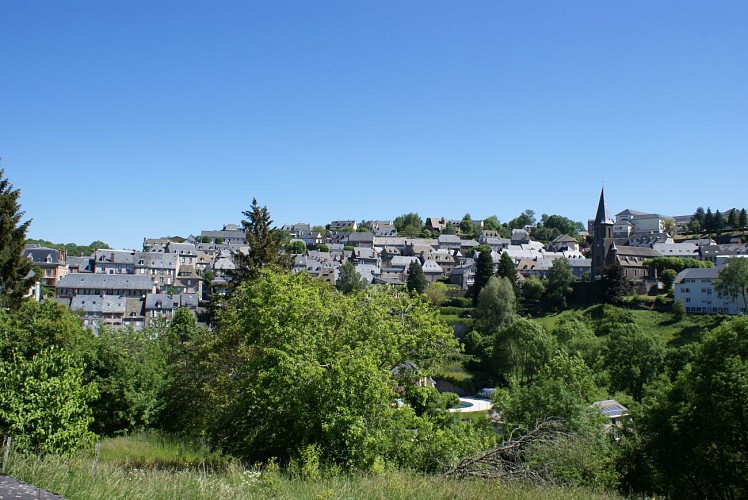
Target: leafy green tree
[(699, 216), (437, 292), (296, 247), (732, 281), (559, 282), (409, 224), (44, 402), (668, 278), (507, 269), (131, 374), (299, 365), (533, 289), (16, 276), (323, 247), (264, 243), (563, 390), (679, 310), (483, 271), (677, 264), (633, 357), (491, 223), (349, 280), (496, 305), (467, 227), (562, 224), (694, 431), (449, 229), (526, 218), (416, 279), (578, 339), (669, 226), (521, 350)]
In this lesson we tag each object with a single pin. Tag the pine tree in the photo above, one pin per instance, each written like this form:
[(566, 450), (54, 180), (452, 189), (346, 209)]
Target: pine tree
[(265, 246), (718, 221), (708, 224), (732, 219), (416, 278), (16, 276), (743, 219), (483, 272), (507, 269)]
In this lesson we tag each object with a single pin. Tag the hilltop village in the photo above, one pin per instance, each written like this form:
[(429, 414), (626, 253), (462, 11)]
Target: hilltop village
[(132, 288)]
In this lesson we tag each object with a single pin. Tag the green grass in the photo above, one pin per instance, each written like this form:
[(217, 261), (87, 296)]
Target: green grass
[(74, 479), (673, 333)]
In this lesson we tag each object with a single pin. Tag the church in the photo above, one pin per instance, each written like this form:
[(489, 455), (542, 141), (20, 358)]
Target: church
[(607, 251)]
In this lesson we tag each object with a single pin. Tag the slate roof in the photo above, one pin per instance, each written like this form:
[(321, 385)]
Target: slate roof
[(109, 304), (39, 255), (159, 301), (698, 273), (106, 281)]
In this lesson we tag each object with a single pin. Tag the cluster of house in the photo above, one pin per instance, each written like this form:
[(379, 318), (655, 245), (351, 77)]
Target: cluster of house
[(128, 287)]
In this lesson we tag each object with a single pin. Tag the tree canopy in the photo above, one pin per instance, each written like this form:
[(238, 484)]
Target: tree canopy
[(732, 281)]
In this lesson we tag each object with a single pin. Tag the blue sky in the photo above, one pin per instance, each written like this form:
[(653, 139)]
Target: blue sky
[(124, 120)]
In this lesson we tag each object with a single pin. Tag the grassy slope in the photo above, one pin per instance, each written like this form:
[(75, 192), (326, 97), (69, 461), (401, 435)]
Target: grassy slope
[(118, 477)]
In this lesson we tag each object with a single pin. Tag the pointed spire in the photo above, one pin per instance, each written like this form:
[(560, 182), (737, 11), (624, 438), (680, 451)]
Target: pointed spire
[(603, 214)]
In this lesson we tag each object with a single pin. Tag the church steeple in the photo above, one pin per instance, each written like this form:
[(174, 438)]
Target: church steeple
[(603, 214), (603, 245)]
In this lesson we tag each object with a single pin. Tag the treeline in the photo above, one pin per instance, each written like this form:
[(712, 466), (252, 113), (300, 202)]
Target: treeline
[(71, 249), (706, 221)]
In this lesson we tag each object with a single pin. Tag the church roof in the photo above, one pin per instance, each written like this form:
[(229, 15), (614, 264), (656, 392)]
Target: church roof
[(603, 214)]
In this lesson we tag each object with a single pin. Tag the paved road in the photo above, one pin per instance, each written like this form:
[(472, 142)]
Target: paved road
[(11, 488)]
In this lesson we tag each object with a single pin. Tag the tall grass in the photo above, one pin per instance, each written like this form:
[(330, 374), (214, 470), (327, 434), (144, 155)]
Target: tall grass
[(118, 478)]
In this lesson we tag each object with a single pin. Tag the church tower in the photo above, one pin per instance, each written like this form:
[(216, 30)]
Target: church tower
[(602, 242)]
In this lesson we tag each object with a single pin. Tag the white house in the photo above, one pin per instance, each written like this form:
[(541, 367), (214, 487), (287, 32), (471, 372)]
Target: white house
[(695, 289)]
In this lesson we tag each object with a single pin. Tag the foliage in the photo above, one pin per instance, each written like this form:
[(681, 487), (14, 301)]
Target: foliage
[(265, 245), (692, 433), (44, 402), (483, 272), (467, 227), (507, 269), (562, 224), (526, 218), (562, 390), (677, 264), (16, 278), (496, 305), (632, 357), (559, 282), (521, 350), (437, 293), (409, 224), (668, 278), (296, 247), (72, 249), (533, 289), (130, 372), (491, 223), (349, 280), (615, 285), (416, 279), (679, 310), (296, 364), (732, 281), (577, 338)]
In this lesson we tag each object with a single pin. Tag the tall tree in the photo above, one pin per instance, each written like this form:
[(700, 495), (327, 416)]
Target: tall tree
[(265, 246), (507, 269), (698, 215), (743, 219), (708, 223), (560, 279), (349, 280), (416, 278), (633, 357), (732, 219), (483, 272), (732, 281), (496, 304), (409, 224), (467, 228), (16, 276)]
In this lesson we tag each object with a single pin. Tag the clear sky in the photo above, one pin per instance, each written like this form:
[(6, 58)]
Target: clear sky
[(129, 119)]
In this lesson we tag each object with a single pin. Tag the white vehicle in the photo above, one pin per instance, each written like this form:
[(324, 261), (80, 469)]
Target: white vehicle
[(486, 392)]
